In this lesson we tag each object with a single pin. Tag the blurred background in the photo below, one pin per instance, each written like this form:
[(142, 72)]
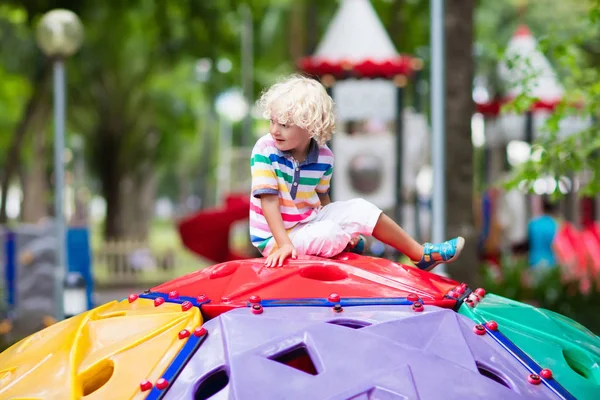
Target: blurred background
[(136, 119)]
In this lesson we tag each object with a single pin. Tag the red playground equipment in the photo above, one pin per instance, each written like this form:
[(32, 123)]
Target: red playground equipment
[(207, 233)]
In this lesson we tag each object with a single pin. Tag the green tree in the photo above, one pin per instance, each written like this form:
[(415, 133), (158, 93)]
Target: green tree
[(578, 64)]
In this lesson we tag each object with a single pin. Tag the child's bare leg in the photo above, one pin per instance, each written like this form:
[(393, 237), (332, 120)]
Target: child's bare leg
[(387, 231), (425, 257)]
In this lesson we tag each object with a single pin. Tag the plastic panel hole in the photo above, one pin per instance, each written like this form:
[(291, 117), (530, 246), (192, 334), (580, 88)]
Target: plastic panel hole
[(326, 273), (298, 358), (96, 377), (212, 384), (223, 270), (488, 373), (580, 363), (349, 323)]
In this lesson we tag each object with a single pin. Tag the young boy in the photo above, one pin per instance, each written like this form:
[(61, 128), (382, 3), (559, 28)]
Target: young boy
[(291, 212)]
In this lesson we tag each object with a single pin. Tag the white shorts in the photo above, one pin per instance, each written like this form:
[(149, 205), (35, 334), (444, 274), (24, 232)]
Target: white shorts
[(335, 224)]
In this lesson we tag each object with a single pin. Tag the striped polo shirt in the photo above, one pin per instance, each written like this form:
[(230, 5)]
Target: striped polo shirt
[(297, 184)]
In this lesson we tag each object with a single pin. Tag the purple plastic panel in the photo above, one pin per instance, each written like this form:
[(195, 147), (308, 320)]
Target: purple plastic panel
[(361, 353)]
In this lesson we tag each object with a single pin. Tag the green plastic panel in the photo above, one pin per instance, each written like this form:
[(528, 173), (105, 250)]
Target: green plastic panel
[(552, 340)]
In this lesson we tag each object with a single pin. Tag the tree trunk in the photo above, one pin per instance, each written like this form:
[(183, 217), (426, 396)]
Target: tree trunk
[(40, 86), (312, 27), (459, 149), (296, 34), (35, 188), (139, 193), (111, 176)]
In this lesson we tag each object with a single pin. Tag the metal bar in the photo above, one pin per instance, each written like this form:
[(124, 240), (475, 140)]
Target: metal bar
[(59, 177), (399, 192), (529, 139), (438, 121), (247, 43), (417, 100)]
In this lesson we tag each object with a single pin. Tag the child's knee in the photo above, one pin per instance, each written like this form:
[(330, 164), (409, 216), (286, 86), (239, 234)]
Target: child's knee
[(329, 230), (330, 240)]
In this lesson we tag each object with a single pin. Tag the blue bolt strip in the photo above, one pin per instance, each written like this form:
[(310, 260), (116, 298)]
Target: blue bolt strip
[(321, 302), (177, 300), (177, 365), (529, 363)]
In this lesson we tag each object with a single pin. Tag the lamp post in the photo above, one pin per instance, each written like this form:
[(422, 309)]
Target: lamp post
[(438, 196), (59, 35)]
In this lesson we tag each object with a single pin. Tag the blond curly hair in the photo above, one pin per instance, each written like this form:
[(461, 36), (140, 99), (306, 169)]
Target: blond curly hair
[(300, 101)]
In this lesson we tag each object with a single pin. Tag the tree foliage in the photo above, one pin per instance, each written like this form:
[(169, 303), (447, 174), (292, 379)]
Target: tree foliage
[(572, 43), (132, 89)]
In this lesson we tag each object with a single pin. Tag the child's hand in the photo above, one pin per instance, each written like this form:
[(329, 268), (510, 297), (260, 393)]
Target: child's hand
[(277, 258)]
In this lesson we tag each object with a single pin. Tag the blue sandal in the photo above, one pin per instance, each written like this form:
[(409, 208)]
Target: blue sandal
[(440, 253)]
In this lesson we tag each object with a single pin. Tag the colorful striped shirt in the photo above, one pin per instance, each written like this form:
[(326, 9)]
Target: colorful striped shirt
[(297, 184)]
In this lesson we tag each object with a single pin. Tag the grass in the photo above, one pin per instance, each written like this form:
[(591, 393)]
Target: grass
[(163, 238)]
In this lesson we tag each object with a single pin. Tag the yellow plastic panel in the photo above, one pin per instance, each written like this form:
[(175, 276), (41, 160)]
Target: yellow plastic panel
[(102, 354)]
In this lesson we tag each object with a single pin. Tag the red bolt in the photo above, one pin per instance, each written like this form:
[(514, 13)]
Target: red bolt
[(459, 289), (334, 298), (132, 298), (174, 294), (145, 385), (254, 299), (464, 286), (201, 298), (257, 309), (225, 299), (184, 334), (162, 383), (479, 329), (492, 325), (546, 373), (200, 331), (417, 306), (453, 294), (412, 297), (480, 292), (534, 379), (186, 305), (158, 301)]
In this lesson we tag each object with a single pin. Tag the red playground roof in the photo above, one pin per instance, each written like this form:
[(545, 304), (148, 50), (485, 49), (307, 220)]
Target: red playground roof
[(356, 44), (399, 65)]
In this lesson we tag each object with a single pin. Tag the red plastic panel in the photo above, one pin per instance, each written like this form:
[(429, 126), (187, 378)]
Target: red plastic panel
[(570, 249), (206, 233), (229, 285), (592, 243)]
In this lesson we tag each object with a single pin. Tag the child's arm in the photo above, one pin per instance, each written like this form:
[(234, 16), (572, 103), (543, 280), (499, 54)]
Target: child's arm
[(324, 186), (325, 199), (285, 248)]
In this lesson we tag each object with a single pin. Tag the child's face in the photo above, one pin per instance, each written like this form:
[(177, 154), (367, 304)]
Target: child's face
[(289, 137)]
